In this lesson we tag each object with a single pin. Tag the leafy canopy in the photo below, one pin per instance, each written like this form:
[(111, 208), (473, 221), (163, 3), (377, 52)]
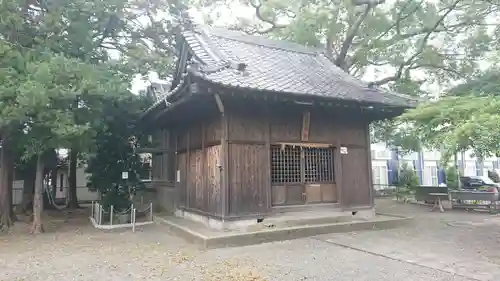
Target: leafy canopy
[(466, 118)]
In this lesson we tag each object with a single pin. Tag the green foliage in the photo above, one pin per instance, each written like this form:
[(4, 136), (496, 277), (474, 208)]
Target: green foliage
[(406, 183), (467, 118), (115, 153), (493, 175), (452, 175), (408, 178)]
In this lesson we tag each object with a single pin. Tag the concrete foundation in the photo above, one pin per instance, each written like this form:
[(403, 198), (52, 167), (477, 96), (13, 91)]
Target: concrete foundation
[(215, 223), (312, 215), (207, 237)]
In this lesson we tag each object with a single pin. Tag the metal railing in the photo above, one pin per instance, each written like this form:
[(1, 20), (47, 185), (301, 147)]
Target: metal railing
[(103, 219)]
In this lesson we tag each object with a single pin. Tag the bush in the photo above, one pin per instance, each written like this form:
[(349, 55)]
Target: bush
[(493, 175), (407, 181), (452, 177)]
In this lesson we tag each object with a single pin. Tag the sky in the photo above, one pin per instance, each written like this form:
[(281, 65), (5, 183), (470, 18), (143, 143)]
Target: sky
[(224, 15)]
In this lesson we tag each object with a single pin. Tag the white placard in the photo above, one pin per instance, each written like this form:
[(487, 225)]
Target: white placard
[(178, 175), (124, 175), (343, 150)]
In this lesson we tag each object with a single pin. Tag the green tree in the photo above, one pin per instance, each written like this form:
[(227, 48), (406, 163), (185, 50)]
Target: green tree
[(452, 177), (117, 143), (408, 179), (81, 44), (467, 117), (493, 175)]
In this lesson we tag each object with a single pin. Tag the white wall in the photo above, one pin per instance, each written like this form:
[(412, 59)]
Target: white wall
[(83, 193)]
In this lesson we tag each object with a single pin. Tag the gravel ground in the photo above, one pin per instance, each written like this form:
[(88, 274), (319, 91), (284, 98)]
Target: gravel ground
[(73, 250)]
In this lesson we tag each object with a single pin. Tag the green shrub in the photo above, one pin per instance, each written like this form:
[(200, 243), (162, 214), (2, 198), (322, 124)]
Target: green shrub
[(493, 175), (452, 177)]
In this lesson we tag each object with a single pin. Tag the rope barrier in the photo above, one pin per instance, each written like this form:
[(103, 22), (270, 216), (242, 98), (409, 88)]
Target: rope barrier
[(52, 200), (98, 211)]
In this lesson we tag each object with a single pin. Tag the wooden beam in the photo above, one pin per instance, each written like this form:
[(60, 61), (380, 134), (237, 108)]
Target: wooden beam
[(306, 121), (224, 157), (220, 105), (337, 163), (225, 165)]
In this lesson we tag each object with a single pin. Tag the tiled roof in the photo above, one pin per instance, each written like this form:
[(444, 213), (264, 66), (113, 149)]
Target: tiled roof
[(278, 66)]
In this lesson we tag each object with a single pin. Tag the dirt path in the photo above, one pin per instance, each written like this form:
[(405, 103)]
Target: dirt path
[(73, 250)]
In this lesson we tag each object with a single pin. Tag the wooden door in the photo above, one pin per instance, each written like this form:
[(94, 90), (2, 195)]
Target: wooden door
[(290, 194), (355, 181)]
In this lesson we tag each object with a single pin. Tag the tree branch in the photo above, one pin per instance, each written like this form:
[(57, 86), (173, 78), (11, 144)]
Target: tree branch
[(340, 61), (258, 14), (367, 2), (419, 51)]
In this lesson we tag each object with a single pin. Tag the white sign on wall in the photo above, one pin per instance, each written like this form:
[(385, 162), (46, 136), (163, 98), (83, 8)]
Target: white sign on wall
[(343, 150), (124, 175), (178, 176)]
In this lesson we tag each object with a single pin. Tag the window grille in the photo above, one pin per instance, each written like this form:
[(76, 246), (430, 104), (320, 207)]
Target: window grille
[(301, 165), (285, 164)]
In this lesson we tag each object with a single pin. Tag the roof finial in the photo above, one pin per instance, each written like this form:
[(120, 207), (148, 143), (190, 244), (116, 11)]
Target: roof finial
[(241, 66)]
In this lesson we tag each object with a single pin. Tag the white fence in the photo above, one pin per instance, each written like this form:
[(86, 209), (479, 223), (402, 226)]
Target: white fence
[(112, 218), (82, 192)]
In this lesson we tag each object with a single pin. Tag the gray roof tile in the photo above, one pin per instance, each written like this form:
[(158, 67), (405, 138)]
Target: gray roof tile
[(279, 66)]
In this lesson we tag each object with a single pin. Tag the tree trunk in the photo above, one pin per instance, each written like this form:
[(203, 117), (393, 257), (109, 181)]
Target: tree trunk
[(5, 201), (10, 177), (28, 188), (72, 196), (53, 181), (37, 226)]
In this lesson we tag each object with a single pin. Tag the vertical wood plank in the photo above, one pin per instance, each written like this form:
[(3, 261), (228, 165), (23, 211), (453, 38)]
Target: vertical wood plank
[(337, 162), (188, 166), (204, 183), (225, 164), (268, 191), (306, 120), (369, 162)]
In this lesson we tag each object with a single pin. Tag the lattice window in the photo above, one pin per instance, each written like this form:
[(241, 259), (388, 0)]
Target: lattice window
[(301, 165), (285, 164), (318, 165)]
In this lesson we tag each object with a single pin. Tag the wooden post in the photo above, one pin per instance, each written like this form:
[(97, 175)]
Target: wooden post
[(225, 157), (204, 184), (337, 162), (369, 160), (268, 190), (188, 167)]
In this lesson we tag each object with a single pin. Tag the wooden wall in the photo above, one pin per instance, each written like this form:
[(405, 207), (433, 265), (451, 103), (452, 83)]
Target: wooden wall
[(198, 159), (223, 161), (251, 132)]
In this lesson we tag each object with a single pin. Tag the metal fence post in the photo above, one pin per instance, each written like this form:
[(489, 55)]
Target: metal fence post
[(133, 220), (100, 214), (92, 210), (111, 215), (131, 213), (151, 210)]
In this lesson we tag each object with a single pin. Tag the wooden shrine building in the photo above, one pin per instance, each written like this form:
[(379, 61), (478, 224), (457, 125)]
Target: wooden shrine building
[(252, 125)]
